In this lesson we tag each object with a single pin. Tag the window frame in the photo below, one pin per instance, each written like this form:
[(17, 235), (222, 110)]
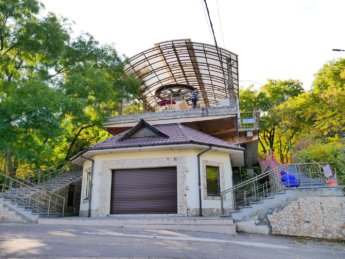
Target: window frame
[(218, 181), (86, 193)]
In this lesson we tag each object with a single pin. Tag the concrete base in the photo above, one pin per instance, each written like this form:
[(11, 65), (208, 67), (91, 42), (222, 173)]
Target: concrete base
[(10, 212), (251, 226), (253, 219), (280, 200), (209, 224)]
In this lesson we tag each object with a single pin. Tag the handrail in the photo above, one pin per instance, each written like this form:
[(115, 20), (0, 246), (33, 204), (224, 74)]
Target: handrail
[(204, 112), (41, 179), (252, 179), (250, 124), (42, 175), (31, 187), (39, 195), (41, 188), (33, 184), (265, 184), (300, 159)]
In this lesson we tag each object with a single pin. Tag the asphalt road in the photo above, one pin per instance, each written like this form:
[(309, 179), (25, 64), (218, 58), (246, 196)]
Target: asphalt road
[(59, 241)]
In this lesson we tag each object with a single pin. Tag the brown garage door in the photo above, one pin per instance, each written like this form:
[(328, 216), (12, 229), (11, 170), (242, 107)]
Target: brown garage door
[(151, 190)]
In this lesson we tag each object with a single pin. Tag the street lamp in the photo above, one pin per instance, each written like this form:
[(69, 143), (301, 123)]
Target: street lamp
[(338, 50)]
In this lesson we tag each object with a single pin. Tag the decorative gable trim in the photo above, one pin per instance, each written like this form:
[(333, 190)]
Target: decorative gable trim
[(140, 126)]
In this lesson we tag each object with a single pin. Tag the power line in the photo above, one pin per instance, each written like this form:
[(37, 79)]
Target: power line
[(205, 13), (211, 24), (219, 53), (220, 23)]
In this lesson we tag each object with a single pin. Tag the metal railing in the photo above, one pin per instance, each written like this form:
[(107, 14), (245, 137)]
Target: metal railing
[(40, 176), (174, 114), (249, 120), (38, 200), (266, 184)]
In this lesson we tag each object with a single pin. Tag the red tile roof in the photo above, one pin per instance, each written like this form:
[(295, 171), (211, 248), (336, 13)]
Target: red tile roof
[(172, 134)]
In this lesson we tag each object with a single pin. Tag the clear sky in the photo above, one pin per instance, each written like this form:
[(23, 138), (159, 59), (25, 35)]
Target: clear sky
[(275, 39)]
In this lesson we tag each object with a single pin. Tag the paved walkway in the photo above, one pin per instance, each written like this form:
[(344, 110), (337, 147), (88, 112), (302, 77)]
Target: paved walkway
[(63, 241)]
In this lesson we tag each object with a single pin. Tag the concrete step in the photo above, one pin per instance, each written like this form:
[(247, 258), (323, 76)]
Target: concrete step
[(60, 181), (25, 214), (203, 224), (282, 199), (20, 197), (254, 219)]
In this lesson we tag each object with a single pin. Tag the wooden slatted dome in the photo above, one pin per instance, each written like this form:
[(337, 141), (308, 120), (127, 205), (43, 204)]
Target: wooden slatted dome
[(175, 68)]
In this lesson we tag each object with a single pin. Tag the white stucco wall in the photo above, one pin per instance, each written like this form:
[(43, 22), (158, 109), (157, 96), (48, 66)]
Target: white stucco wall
[(186, 163), (84, 203)]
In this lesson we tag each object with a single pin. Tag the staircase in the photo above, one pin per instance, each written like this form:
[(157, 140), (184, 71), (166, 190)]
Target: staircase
[(33, 200), (60, 181), (150, 221), (306, 180), (267, 185), (279, 200), (251, 201)]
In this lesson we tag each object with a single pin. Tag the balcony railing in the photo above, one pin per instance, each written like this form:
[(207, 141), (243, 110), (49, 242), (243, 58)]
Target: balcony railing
[(174, 114)]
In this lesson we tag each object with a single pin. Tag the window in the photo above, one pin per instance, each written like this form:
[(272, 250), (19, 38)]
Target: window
[(212, 178), (87, 186)]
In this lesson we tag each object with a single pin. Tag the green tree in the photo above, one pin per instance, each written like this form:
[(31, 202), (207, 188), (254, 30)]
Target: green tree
[(274, 132), (55, 92), (253, 100), (322, 136), (332, 75), (308, 125), (28, 45)]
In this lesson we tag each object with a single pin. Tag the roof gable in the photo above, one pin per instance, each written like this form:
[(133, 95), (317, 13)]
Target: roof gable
[(145, 135), (143, 130)]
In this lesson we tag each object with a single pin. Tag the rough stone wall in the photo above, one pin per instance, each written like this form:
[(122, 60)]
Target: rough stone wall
[(9, 216), (321, 217)]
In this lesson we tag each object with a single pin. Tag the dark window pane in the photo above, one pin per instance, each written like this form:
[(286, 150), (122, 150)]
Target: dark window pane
[(70, 197), (212, 176)]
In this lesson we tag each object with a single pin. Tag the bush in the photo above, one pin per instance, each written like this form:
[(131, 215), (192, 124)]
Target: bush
[(332, 153)]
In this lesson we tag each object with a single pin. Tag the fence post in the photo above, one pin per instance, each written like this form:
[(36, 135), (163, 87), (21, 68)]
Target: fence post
[(48, 206), (221, 203), (63, 207), (233, 199), (245, 197)]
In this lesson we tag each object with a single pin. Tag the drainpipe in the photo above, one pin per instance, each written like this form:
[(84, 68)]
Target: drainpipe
[(92, 168), (199, 176)]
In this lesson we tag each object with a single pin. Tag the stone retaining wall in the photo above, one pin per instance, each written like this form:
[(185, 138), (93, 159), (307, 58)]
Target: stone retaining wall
[(321, 217), (9, 216)]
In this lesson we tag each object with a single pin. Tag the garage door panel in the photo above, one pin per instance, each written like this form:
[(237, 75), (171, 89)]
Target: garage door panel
[(144, 191), (142, 207)]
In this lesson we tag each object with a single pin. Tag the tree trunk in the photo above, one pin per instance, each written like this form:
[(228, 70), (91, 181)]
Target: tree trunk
[(11, 165), (120, 108), (68, 155)]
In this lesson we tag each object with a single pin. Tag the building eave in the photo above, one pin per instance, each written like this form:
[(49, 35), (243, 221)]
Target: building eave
[(89, 153)]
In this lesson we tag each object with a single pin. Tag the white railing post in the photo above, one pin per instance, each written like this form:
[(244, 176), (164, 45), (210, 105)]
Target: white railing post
[(221, 203), (63, 207), (48, 206)]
